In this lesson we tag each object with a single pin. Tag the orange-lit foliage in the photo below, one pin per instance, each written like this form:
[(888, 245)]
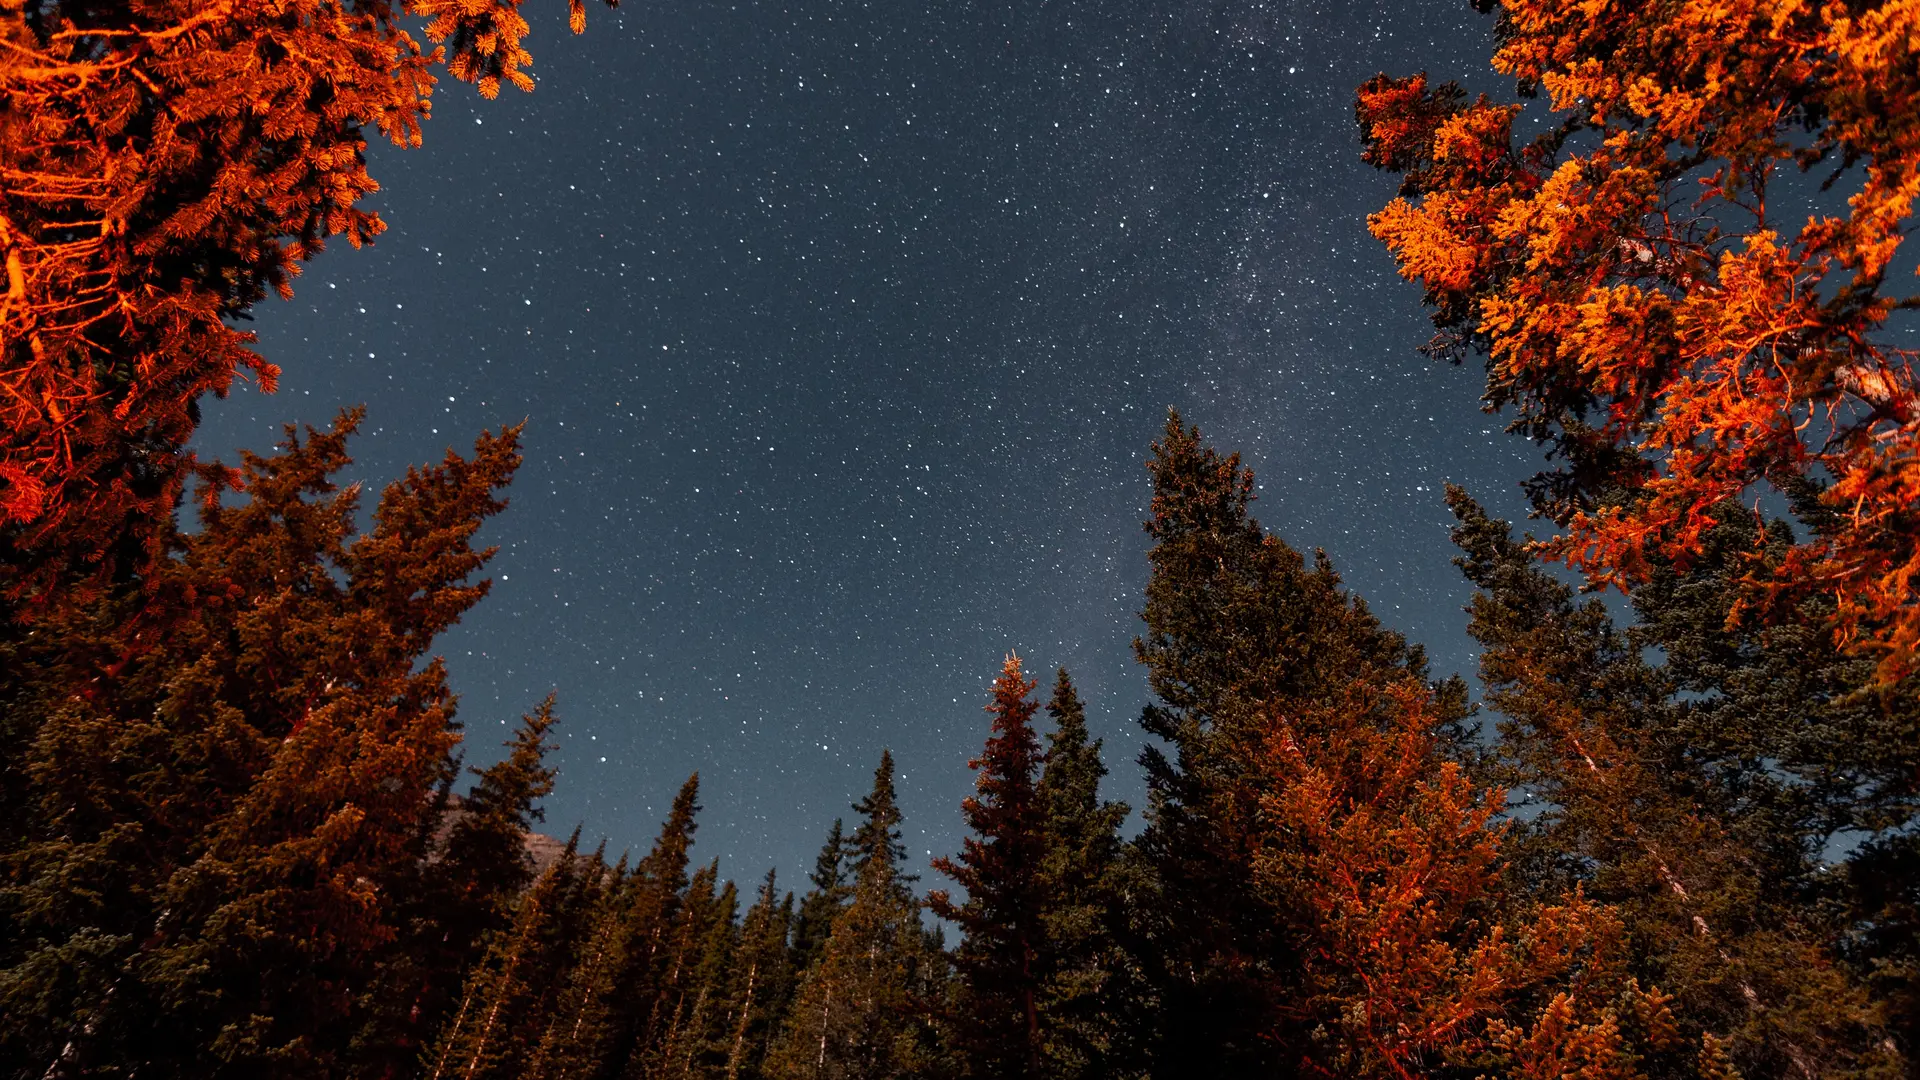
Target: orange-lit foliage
[(164, 165), (1644, 307), (1385, 861)]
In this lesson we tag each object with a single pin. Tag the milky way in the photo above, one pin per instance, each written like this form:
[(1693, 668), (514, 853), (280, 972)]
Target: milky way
[(841, 330)]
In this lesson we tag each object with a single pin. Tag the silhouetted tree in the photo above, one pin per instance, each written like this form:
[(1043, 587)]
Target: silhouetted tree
[(854, 1016), (458, 893), (832, 890), (1234, 618), (999, 961), (762, 982)]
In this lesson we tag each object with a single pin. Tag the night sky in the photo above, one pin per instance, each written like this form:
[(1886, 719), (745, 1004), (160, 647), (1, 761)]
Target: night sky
[(841, 330)]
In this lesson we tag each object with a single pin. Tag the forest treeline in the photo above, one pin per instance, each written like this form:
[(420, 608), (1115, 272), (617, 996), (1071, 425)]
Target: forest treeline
[(1679, 849), (241, 841)]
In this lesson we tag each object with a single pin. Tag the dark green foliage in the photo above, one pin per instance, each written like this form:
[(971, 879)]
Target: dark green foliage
[(239, 852), (640, 1002), (1817, 755), (862, 1011), (1699, 795), (761, 983), (486, 851), (458, 891), (1236, 621), (1091, 1011), (652, 974), (878, 836), (497, 1026), (1883, 879), (576, 1027), (832, 890), (1043, 987), (690, 1024)]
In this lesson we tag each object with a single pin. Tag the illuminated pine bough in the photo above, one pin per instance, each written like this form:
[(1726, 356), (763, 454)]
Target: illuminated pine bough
[(1672, 339), (163, 166)]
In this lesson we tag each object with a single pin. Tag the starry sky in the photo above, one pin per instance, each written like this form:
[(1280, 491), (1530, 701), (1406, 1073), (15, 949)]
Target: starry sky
[(841, 329)]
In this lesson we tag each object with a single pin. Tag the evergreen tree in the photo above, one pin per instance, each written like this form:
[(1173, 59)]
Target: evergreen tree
[(878, 836), (999, 961), (160, 178), (229, 767), (1091, 1010), (1812, 749), (578, 1027), (507, 1006), (832, 890), (642, 997), (855, 1016), (688, 1037), (486, 849), (456, 896), (1383, 872), (1671, 792), (762, 978), (1234, 618), (1328, 874), (1675, 341)]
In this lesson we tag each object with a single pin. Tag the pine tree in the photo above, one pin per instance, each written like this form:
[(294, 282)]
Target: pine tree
[(691, 991), (1356, 926), (1814, 748), (457, 896), (492, 1031), (878, 836), (640, 1005), (999, 960), (486, 850), (1382, 868), (762, 979), (1235, 618), (1670, 791), (709, 1027), (229, 768), (1644, 313), (161, 176), (854, 1016), (831, 892), (1090, 1006), (578, 1027)]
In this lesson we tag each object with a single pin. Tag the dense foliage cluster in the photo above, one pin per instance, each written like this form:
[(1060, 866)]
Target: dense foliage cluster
[(1667, 286), (164, 164), (239, 843)]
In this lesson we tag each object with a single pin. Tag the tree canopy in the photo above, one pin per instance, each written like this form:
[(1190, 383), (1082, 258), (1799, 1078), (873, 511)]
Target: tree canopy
[(1666, 287)]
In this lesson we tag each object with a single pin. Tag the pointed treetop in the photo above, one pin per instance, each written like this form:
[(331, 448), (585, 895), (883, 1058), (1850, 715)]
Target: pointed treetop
[(1001, 868), (523, 777), (1010, 692), (666, 864), (1070, 782), (1195, 489), (1011, 752), (1069, 715), (829, 867), (878, 837)]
